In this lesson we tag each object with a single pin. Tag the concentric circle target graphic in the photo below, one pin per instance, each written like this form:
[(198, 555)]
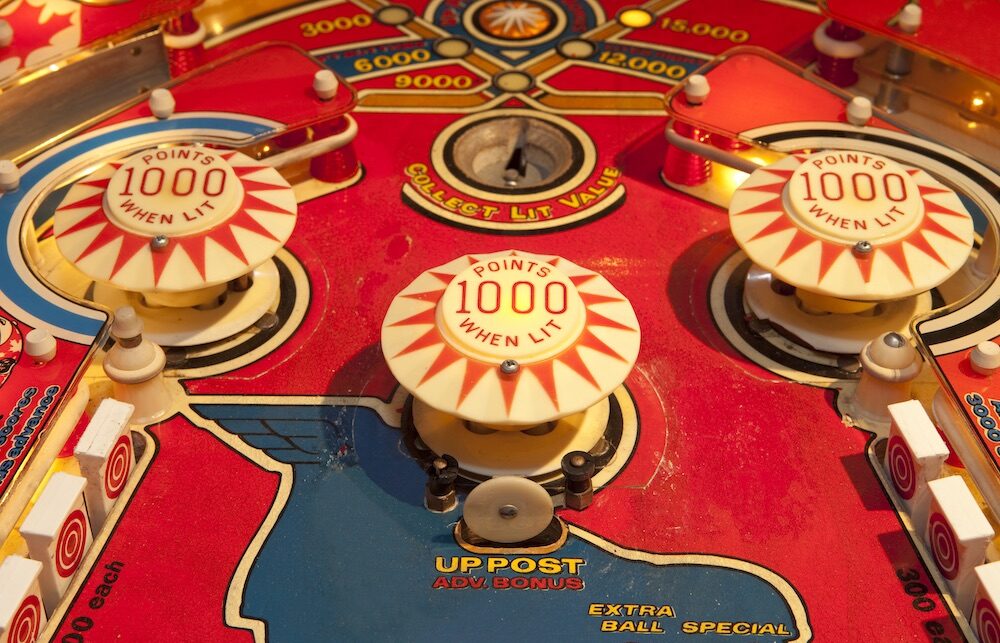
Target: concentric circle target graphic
[(117, 468), (26, 623), (70, 544), (987, 622), (904, 477), (944, 545)]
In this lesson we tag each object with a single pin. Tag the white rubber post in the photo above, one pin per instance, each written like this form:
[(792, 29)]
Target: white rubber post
[(696, 89), (6, 33), (889, 364), (135, 367), (40, 345), (325, 84), (910, 18), (10, 176), (859, 111), (162, 103), (984, 358)]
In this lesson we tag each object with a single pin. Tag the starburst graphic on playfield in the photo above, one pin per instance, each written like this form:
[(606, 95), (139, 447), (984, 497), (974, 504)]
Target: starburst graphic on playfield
[(515, 20)]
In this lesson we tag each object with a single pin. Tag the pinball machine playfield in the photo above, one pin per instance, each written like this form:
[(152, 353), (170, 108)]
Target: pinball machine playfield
[(499, 320)]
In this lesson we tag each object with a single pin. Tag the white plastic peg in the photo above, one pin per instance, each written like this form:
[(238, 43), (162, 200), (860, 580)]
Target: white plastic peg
[(696, 89), (889, 365), (6, 33), (40, 345), (10, 176), (325, 84), (859, 111), (910, 18), (985, 358), (126, 324), (135, 367), (162, 103)]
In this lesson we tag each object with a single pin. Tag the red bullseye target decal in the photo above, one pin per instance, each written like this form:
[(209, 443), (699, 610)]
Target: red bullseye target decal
[(943, 543), (70, 544), (117, 468), (987, 622), (904, 478), (28, 620)]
